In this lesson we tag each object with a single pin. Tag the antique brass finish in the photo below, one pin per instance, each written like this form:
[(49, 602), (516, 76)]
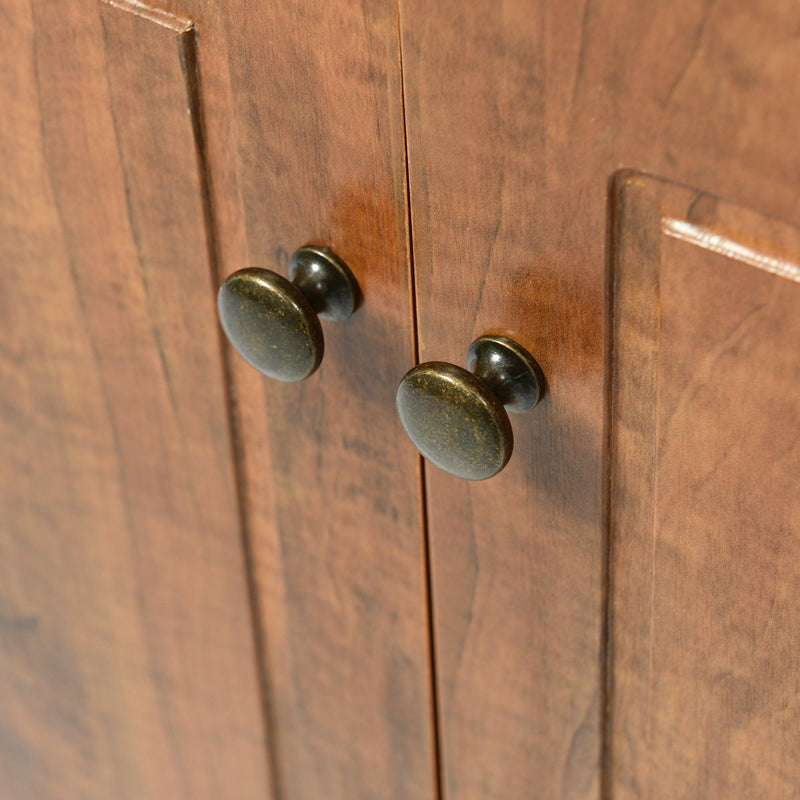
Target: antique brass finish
[(457, 419), (274, 323)]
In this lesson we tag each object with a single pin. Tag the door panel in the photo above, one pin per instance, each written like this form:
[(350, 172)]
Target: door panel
[(705, 513), (127, 664), (332, 492), (518, 114)]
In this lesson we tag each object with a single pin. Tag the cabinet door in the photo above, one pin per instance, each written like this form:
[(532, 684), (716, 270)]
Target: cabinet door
[(518, 115), (705, 507), (127, 664), (310, 150), (129, 668)]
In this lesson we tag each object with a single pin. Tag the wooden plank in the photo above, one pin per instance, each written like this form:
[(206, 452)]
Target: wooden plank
[(518, 114), (312, 152), (705, 512), (127, 663)]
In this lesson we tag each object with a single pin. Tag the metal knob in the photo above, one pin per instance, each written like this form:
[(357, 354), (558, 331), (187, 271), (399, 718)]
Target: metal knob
[(274, 323), (457, 419)]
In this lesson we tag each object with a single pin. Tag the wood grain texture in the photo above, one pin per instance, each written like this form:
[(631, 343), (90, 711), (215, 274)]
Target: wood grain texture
[(518, 114), (311, 151), (705, 513), (127, 663)]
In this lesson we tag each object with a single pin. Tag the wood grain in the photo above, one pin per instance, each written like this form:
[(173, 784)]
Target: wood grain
[(127, 663), (311, 151), (705, 516), (518, 114)]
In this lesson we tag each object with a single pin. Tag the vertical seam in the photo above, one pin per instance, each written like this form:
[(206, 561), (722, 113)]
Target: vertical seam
[(423, 496)]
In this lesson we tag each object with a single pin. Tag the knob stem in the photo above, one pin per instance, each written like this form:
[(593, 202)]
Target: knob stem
[(509, 370), (326, 282)]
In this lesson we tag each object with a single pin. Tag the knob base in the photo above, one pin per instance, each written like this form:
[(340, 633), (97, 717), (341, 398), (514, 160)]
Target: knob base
[(509, 370), (326, 281)]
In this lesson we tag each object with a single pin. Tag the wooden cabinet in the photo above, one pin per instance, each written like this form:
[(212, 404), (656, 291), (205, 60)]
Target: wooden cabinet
[(216, 585)]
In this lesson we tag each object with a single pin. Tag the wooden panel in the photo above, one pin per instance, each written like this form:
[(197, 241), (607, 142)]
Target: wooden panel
[(332, 491), (705, 509), (127, 664), (518, 113)]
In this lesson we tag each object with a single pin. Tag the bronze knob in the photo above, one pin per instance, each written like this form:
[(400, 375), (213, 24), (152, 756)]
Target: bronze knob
[(274, 323), (457, 419)]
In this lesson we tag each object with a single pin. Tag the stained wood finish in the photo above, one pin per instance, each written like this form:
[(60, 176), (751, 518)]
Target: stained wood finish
[(517, 116), (705, 514), (332, 491), (127, 664)]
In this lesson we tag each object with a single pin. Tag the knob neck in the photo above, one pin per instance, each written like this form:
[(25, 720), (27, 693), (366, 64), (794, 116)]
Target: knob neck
[(509, 370), (325, 281)]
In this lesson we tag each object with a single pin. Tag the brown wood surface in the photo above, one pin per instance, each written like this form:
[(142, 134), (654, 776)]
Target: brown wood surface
[(127, 662), (305, 143), (518, 114), (705, 512)]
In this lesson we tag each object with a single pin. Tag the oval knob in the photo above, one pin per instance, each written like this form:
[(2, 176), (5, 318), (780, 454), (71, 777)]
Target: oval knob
[(457, 418), (274, 323)]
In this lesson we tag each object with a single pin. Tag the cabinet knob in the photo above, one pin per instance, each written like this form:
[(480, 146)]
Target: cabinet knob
[(457, 418), (274, 323)]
